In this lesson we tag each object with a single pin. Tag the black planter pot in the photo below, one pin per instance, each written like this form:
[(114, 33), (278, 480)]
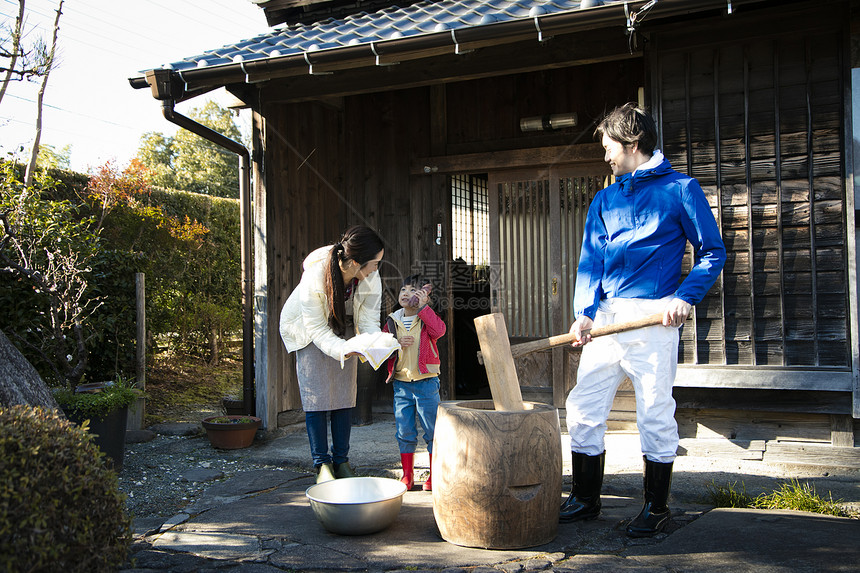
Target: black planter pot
[(109, 434)]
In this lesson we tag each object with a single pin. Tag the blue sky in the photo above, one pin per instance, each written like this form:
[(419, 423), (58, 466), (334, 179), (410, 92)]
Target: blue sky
[(89, 103)]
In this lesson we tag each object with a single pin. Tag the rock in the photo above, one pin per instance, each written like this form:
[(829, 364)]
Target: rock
[(139, 436), (20, 383), (202, 475)]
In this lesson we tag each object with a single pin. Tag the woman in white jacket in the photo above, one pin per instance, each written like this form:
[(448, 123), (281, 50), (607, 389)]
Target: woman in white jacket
[(339, 295)]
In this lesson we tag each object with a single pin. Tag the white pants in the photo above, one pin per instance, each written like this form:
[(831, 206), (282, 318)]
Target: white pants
[(649, 357)]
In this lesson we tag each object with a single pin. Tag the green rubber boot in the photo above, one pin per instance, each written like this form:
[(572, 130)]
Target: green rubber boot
[(325, 473), (343, 470)]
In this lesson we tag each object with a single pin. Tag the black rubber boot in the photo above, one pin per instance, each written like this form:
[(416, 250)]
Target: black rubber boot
[(655, 513), (586, 483)]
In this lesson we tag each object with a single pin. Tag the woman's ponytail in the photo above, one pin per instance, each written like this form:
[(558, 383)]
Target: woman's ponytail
[(335, 291), (360, 244)]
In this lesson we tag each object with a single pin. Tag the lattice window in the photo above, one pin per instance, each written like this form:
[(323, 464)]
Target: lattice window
[(470, 218)]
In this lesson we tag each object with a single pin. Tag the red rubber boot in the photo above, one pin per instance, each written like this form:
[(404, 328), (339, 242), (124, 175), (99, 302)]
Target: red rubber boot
[(408, 463), (427, 485)]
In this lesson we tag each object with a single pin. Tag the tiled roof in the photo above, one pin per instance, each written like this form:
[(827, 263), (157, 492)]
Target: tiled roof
[(391, 23)]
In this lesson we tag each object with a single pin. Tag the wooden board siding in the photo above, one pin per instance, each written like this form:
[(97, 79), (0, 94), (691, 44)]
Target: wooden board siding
[(314, 189), (304, 210), (759, 123)]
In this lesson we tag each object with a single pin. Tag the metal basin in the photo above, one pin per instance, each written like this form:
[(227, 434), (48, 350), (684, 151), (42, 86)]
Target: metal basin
[(356, 506)]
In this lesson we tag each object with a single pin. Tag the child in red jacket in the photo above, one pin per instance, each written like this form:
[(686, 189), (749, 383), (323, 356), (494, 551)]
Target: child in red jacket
[(415, 370)]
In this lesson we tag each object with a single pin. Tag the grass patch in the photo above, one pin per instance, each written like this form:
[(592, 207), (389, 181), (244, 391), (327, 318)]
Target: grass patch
[(728, 495), (175, 384), (790, 495)]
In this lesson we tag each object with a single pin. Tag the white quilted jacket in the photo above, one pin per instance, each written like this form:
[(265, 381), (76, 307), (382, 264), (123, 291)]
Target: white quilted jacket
[(304, 318)]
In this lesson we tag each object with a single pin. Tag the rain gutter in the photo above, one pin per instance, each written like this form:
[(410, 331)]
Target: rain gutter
[(540, 26), (248, 400)]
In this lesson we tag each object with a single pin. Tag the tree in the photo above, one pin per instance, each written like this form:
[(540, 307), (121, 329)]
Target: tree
[(22, 63), (189, 162), (11, 49), (48, 247), (193, 277), (40, 96), (155, 152), (52, 158)]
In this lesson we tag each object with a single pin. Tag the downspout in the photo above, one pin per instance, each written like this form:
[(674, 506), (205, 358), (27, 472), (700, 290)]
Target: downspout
[(248, 401)]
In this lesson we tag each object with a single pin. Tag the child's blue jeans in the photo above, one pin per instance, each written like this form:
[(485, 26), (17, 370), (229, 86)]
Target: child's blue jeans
[(420, 397), (341, 426)]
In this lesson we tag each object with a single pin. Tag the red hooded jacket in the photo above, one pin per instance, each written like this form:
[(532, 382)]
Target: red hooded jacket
[(432, 329)]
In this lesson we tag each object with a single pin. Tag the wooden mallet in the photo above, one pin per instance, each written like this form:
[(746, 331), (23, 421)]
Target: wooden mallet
[(501, 370), (518, 350)]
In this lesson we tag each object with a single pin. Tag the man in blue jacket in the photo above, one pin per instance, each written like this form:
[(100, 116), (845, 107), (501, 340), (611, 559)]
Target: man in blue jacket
[(635, 237)]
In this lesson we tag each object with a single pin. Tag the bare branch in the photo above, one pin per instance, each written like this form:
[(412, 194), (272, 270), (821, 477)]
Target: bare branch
[(49, 63), (16, 48)]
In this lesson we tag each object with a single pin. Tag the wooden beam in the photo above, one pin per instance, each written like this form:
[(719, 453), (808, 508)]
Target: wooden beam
[(752, 400), (734, 449), (851, 231), (266, 356), (764, 378), (526, 56), (812, 454), (588, 155)]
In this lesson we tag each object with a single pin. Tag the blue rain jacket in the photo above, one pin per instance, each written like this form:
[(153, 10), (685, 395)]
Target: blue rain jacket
[(636, 233)]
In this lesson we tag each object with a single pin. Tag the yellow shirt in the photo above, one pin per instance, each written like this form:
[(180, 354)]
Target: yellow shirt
[(406, 368)]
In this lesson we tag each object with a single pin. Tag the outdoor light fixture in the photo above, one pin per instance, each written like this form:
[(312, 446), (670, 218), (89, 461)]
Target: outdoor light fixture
[(548, 122)]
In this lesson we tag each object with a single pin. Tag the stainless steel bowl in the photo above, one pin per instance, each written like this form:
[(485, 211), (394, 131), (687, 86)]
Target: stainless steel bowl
[(356, 506)]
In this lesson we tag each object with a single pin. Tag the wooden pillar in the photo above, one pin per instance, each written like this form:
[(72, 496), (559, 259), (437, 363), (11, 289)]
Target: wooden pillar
[(841, 431), (137, 410)]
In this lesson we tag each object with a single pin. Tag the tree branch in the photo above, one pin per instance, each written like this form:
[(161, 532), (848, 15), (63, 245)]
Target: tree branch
[(16, 48)]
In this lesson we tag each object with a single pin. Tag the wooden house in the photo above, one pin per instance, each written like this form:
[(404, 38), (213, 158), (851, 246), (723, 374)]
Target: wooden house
[(462, 130)]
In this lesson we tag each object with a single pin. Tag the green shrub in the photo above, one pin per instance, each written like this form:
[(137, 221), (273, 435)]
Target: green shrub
[(97, 405), (60, 506), (186, 244)]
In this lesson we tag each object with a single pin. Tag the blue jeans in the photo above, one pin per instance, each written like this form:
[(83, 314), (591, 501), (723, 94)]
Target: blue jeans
[(341, 424), (421, 397)]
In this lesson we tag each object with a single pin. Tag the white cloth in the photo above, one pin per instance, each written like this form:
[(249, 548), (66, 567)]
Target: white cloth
[(304, 317), (649, 357), (374, 348)]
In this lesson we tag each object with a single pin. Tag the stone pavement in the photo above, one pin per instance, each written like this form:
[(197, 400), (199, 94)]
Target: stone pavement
[(260, 521)]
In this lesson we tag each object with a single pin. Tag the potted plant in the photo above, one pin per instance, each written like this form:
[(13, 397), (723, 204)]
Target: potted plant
[(231, 432), (103, 407)]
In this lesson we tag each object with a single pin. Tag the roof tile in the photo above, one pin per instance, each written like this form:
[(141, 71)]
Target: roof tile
[(385, 24)]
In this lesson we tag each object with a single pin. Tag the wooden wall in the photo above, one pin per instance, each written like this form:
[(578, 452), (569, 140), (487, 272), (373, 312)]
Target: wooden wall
[(304, 208), (758, 120)]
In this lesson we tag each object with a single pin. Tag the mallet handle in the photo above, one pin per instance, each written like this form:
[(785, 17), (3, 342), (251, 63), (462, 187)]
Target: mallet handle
[(524, 348)]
